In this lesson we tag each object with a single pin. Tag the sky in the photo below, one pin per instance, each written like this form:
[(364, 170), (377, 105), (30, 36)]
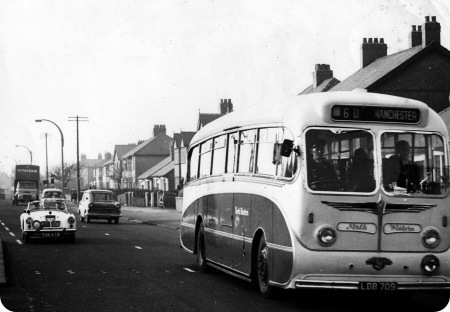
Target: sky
[(128, 65)]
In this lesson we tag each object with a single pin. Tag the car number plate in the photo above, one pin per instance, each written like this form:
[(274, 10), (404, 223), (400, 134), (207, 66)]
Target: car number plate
[(50, 234), (378, 286)]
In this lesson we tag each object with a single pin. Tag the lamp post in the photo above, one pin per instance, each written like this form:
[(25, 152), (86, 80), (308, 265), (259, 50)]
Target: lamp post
[(31, 154), (62, 152)]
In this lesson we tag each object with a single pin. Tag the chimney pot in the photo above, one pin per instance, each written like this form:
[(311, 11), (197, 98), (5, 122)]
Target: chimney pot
[(433, 18), (413, 27), (381, 40), (375, 40), (370, 40), (364, 40), (419, 28), (431, 31), (427, 19)]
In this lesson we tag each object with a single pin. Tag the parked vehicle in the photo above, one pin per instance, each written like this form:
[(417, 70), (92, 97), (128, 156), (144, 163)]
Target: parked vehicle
[(2, 193), (26, 184), (99, 204), (48, 219)]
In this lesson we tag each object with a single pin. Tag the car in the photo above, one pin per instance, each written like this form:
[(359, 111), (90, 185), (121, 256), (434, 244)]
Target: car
[(48, 219), (99, 204), (50, 193), (2, 193)]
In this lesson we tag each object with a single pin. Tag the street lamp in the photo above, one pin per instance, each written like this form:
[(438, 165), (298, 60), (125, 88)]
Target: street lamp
[(62, 152), (31, 154)]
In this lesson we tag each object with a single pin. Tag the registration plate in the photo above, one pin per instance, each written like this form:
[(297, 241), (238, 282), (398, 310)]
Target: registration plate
[(50, 234), (378, 286)]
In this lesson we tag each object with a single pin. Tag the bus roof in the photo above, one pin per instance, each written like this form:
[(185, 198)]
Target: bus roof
[(315, 110)]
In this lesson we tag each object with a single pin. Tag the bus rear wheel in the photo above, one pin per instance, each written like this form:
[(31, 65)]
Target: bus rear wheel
[(262, 269), (201, 249)]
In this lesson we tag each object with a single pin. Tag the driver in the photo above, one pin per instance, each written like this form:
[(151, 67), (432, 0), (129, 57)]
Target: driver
[(319, 169)]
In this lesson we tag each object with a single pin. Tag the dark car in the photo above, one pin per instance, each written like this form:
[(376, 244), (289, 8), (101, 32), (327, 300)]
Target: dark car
[(2, 193), (99, 204)]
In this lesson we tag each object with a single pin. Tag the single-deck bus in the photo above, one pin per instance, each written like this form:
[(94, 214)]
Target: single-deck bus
[(338, 190)]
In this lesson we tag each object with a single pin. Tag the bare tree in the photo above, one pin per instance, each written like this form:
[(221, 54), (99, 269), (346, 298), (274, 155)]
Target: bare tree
[(117, 173), (70, 172)]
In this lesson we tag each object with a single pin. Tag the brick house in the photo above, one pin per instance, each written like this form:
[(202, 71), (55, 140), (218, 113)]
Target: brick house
[(144, 156), (87, 172), (421, 72), (180, 147)]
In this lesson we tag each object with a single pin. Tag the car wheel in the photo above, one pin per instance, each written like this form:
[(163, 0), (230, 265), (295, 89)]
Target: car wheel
[(201, 249), (81, 218), (116, 220), (88, 220), (262, 269)]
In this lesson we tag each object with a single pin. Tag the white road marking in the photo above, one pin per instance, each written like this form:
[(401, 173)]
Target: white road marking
[(19, 241), (137, 247), (106, 234), (189, 270), (6, 228), (11, 233)]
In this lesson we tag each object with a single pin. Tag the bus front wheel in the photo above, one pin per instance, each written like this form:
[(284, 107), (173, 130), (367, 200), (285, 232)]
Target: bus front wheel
[(262, 269), (201, 249)]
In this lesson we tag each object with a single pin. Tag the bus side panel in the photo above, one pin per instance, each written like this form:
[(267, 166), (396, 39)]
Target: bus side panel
[(242, 249), (267, 216), (219, 228), (282, 255), (187, 231)]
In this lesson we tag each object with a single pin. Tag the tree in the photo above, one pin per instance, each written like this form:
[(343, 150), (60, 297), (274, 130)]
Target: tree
[(70, 172), (117, 173)]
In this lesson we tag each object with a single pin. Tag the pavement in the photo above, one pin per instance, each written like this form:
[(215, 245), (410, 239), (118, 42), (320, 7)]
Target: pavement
[(164, 217)]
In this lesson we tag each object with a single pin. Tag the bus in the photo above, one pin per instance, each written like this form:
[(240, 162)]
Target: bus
[(335, 190)]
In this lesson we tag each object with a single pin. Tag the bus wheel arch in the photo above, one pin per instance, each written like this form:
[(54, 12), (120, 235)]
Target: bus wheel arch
[(200, 246), (260, 270)]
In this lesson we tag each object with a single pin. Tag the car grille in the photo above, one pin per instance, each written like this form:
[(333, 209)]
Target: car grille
[(52, 224)]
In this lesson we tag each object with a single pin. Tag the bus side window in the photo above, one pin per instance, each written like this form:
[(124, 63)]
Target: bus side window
[(269, 144), (193, 163), (233, 139), (205, 159), (219, 150), (247, 151)]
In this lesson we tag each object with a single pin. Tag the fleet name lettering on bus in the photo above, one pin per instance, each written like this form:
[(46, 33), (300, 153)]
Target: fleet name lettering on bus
[(241, 211), (375, 114), (27, 170), (402, 228)]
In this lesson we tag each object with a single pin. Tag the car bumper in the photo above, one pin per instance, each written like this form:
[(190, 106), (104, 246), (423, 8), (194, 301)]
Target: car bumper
[(55, 233)]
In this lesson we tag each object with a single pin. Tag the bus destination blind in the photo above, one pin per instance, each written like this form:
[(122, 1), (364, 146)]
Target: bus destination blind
[(375, 114)]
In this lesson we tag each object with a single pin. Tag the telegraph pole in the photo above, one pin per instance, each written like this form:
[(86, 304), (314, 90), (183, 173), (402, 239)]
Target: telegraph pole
[(77, 119)]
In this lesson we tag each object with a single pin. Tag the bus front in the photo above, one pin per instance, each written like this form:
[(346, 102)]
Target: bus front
[(375, 205)]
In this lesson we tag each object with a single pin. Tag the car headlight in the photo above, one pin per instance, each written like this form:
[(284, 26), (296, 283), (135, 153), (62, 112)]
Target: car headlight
[(326, 236), (37, 225), (431, 239), (430, 263), (29, 220), (117, 205), (71, 220)]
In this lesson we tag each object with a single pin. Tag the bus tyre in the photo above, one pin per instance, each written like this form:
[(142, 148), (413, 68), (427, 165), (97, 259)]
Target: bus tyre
[(262, 269), (201, 249)]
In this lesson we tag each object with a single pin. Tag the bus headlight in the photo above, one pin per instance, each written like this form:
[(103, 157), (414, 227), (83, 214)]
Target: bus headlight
[(326, 236), (430, 263), (37, 225), (431, 239)]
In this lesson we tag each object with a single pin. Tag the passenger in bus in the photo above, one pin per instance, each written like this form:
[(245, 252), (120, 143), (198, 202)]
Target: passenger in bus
[(319, 169), (360, 172), (400, 170)]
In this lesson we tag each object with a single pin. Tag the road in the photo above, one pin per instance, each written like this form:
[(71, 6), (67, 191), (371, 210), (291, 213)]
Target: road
[(135, 266)]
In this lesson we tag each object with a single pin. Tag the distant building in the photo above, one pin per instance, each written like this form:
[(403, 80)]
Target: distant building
[(205, 118), (87, 173), (180, 148), (144, 156)]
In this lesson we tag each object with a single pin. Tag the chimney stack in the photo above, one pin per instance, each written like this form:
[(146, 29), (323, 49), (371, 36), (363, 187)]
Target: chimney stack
[(372, 50), (322, 72), (225, 106), (415, 37), (431, 31), (157, 129)]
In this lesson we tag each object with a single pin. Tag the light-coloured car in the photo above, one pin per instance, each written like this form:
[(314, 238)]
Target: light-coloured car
[(51, 193), (99, 204), (48, 219)]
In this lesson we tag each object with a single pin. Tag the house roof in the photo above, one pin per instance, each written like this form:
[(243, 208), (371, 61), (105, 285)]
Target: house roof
[(159, 170), (326, 85), (204, 119), (89, 163), (383, 67), (158, 145), (120, 150), (183, 138)]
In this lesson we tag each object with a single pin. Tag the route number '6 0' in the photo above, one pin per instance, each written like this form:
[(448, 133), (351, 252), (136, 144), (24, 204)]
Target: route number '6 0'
[(352, 113)]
